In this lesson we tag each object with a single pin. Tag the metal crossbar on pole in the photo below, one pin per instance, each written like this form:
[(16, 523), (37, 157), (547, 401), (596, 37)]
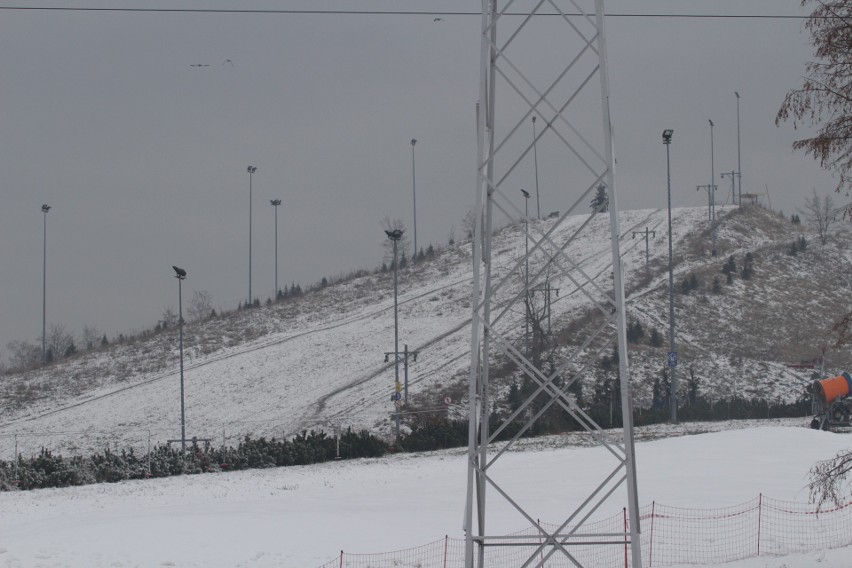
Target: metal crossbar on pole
[(648, 234), (518, 66)]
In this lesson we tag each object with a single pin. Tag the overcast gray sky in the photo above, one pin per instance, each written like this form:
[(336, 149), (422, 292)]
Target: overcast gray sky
[(137, 129)]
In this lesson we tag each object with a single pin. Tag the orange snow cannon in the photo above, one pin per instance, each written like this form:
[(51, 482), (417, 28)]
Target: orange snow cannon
[(829, 390), (832, 402)]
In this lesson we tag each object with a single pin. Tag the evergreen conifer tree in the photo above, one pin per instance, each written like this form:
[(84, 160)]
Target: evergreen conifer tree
[(514, 396), (748, 266), (601, 200), (656, 339)]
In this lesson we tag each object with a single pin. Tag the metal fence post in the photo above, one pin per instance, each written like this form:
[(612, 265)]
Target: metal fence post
[(16, 457), (759, 515), (651, 536)]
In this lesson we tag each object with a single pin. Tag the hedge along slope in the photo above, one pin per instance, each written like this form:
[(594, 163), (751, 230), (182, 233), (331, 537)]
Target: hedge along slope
[(52, 470)]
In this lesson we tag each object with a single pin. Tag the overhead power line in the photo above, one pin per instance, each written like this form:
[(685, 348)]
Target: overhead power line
[(381, 12)]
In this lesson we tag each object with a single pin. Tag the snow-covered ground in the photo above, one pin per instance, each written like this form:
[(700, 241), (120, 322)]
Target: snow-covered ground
[(301, 517)]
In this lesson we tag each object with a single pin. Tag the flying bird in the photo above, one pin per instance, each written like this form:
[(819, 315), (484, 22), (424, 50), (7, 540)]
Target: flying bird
[(199, 65), (438, 20), (229, 62)]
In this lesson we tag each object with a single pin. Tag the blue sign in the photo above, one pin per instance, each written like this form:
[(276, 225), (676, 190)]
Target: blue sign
[(396, 396), (672, 358)]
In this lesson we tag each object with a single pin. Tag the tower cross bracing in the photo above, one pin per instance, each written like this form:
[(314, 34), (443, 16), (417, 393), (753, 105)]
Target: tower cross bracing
[(552, 65)]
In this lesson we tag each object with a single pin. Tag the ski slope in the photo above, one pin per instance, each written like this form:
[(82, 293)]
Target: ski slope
[(316, 363)]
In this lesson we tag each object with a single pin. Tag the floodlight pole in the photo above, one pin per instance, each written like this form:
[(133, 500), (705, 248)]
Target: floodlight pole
[(275, 203), (395, 235), (251, 170), (44, 208), (712, 186), (181, 275), (667, 140), (526, 271), (535, 162), (414, 192), (739, 162)]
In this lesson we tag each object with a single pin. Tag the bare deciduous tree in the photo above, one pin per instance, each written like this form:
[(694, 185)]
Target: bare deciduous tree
[(91, 337), (58, 340), (23, 354), (829, 479), (820, 212), (823, 100), (200, 306), (537, 299), (468, 224), (169, 319)]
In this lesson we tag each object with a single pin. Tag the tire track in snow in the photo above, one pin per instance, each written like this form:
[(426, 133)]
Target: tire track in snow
[(320, 405)]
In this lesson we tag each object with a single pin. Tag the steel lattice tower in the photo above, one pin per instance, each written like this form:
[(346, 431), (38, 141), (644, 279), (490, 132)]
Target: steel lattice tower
[(552, 64)]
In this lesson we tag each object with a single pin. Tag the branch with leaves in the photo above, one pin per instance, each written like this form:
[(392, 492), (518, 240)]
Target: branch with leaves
[(824, 98), (829, 479)]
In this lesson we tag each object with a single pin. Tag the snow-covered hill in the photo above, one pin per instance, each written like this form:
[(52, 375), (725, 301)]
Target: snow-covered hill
[(319, 361)]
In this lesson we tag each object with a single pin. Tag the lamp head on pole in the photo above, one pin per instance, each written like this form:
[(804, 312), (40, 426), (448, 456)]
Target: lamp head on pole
[(737, 94), (711, 123), (413, 141), (275, 202), (251, 169), (526, 193), (667, 136), (45, 208), (394, 235), (180, 273)]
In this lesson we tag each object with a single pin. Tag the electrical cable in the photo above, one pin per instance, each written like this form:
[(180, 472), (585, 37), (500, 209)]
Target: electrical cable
[(295, 11)]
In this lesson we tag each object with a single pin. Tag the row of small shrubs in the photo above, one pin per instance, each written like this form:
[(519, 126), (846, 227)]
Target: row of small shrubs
[(53, 470)]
